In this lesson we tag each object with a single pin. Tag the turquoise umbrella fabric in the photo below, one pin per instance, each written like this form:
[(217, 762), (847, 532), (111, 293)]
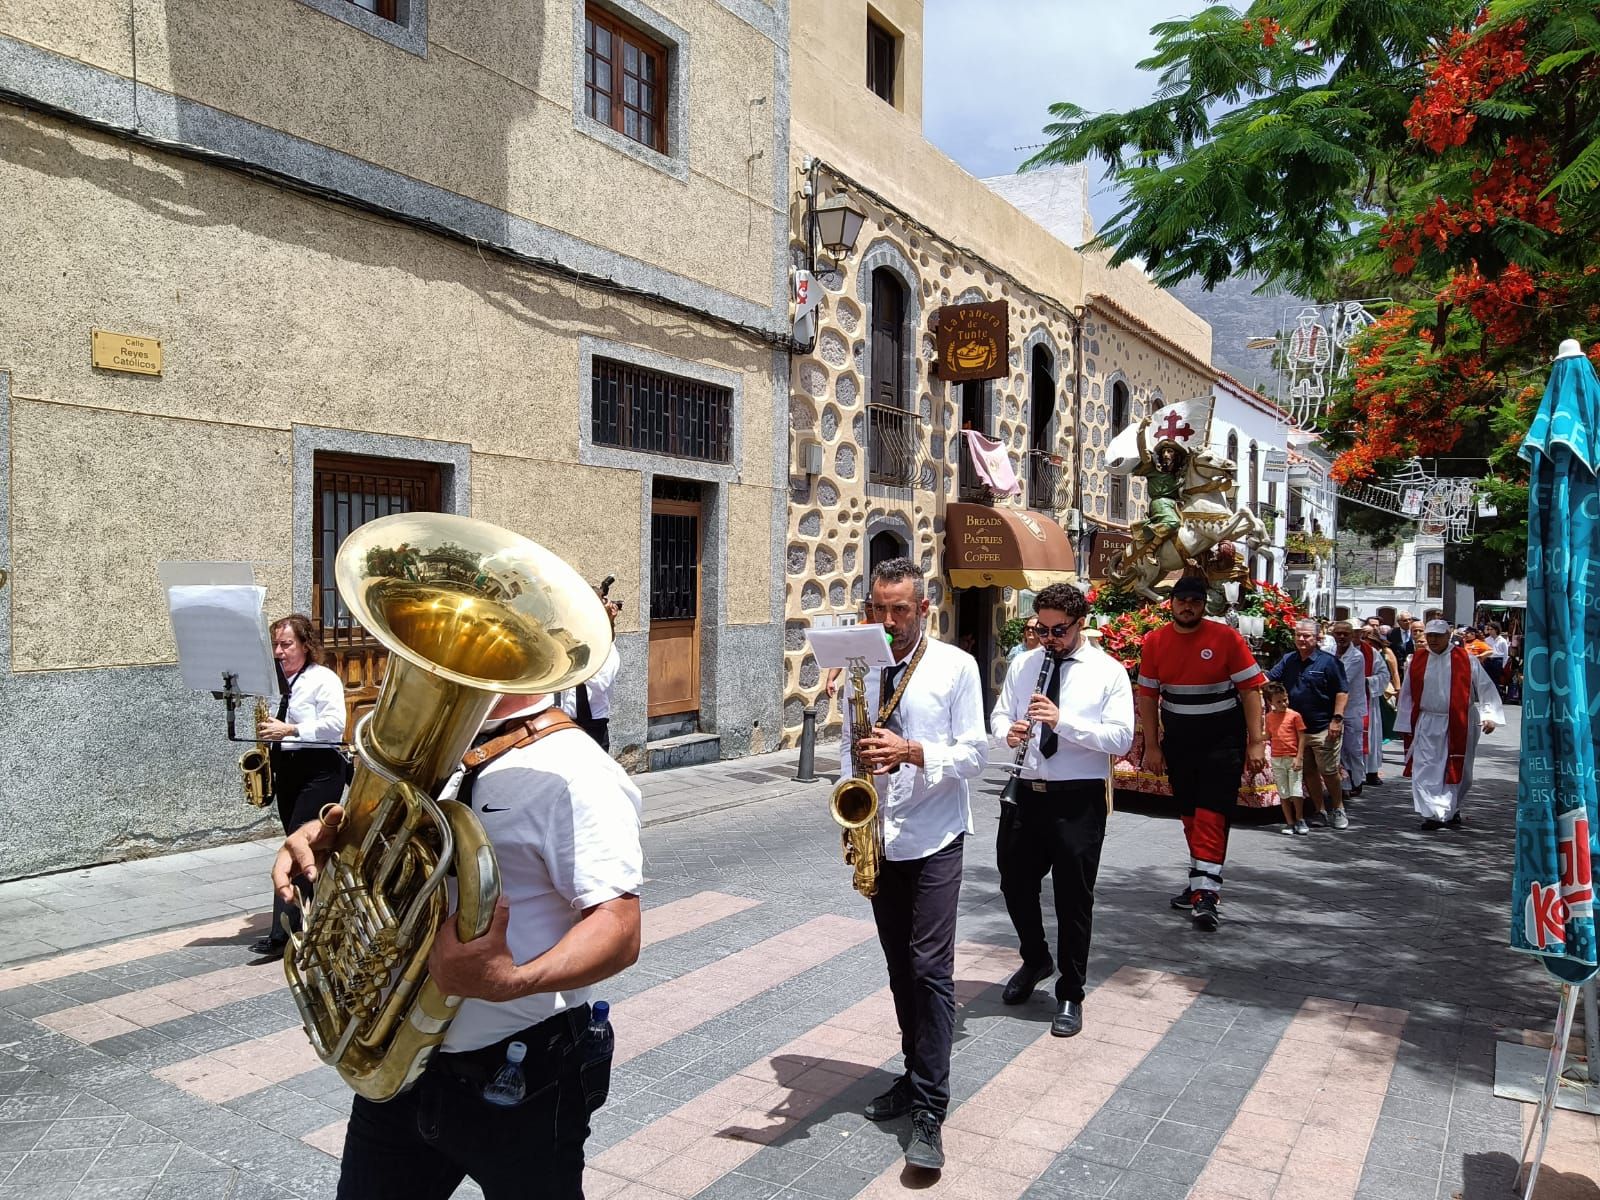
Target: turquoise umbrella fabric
[(1552, 909)]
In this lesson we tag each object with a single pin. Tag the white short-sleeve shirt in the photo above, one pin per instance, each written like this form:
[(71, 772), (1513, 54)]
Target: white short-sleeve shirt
[(564, 821)]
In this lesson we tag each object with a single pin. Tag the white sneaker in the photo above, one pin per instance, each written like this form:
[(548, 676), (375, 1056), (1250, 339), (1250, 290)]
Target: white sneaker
[(1339, 820)]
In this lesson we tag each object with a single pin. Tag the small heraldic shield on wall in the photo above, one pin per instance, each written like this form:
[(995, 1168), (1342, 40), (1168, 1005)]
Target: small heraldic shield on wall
[(124, 352), (973, 341)]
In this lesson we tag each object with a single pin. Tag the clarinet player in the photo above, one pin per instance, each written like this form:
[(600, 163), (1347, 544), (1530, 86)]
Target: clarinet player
[(1072, 704)]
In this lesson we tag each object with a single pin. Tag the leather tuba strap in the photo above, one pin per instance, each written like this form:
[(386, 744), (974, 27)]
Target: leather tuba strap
[(523, 733)]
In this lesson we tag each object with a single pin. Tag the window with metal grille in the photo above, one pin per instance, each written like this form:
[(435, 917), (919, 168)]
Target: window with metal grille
[(348, 491), (881, 47), (625, 79), (639, 409), (674, 564)]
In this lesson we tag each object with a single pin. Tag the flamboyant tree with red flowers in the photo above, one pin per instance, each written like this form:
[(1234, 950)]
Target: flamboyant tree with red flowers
[(1445, 153)]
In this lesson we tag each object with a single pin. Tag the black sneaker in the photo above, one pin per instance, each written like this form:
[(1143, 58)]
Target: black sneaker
[(1205, 911), (896, 1102), (1183, 901), (926, 1148)]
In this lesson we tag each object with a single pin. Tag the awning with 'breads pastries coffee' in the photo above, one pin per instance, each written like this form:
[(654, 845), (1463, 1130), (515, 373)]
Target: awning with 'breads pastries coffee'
[(1005, 547)]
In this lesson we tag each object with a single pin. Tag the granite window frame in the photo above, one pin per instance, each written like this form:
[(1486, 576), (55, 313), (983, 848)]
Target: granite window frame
[(407, 30), (673, 42)]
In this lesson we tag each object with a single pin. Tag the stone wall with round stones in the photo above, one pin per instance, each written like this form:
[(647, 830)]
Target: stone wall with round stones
[(835, 513)]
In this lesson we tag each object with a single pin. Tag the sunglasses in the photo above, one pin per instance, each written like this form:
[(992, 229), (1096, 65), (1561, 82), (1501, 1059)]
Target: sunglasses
[(1057, 631)]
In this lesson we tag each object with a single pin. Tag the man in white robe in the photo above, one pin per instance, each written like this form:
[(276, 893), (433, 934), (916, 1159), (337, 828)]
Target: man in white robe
[(1377, 685), (1436, 704), (1353, 747)]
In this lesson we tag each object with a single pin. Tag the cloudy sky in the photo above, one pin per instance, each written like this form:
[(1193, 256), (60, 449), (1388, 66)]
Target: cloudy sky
[(993, 67)]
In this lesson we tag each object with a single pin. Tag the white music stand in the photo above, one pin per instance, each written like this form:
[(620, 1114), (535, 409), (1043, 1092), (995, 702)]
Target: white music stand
[(856, 647), (220, 631)]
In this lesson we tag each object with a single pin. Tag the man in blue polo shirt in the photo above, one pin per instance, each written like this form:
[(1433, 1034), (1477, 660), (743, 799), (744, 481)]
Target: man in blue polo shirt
[(1318, 691)]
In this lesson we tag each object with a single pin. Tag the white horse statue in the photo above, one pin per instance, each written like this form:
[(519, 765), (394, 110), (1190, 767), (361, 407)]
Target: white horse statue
[(1211, 520)]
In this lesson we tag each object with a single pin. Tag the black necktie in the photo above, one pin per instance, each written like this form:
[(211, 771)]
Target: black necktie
[(580, 704), (890, 680), (1052, 690)]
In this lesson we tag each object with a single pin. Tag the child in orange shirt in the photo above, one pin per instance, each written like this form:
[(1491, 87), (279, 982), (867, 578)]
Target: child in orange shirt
[(1286, 731)]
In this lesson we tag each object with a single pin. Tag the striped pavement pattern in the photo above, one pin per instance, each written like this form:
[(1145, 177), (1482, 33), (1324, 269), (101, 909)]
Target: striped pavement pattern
[(1026, 1105)]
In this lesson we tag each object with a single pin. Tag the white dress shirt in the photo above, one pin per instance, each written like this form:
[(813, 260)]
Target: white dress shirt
[(564, 822), (316, 708), (1096, 713), (599, 685), (926, 808)]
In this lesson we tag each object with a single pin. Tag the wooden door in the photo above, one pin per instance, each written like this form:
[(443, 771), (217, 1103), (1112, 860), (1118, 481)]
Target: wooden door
[(674, 659)]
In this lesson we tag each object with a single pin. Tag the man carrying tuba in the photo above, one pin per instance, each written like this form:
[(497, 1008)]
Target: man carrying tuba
[(563, 819), (928, 740)]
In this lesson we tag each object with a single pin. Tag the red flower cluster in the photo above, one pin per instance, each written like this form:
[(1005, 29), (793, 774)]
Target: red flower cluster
[(1266, 28), (1468, 70), (1509, 191)]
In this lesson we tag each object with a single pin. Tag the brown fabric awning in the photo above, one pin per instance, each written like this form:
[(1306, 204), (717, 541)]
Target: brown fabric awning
[(1005, 547)]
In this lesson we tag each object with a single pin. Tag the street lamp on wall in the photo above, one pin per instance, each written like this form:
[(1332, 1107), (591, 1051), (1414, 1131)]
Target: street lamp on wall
[(836, 225)]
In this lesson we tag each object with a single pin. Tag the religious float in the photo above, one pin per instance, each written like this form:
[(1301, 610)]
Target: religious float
[(1196, 526)]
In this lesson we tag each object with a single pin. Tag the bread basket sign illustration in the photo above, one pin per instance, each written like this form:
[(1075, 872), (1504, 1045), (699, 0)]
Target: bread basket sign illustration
[(972, 341)]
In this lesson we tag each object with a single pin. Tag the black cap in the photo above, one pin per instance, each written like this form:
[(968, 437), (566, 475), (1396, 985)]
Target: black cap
[(1190, 587)]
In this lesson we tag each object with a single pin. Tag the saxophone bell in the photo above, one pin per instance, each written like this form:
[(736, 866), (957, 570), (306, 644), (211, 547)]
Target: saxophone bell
[(255, 766)]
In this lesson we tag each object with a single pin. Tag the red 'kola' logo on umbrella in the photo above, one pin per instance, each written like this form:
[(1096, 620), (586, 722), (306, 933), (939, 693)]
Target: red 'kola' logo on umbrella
[(1548, 909)]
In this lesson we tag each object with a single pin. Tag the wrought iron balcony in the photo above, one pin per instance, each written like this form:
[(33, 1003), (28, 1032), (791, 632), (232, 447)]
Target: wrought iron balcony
[(1045, 472), (891, 445)]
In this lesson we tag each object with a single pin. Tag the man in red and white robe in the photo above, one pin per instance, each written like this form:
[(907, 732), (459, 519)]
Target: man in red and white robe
[(1441, 729)]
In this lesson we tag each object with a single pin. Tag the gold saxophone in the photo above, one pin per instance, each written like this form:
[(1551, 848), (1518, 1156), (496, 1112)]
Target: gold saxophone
[(854, 803), (467, 611), (256, 766)]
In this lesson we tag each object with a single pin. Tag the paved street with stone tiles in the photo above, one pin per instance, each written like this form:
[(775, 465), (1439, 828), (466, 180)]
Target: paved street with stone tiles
[(1334, 1039)]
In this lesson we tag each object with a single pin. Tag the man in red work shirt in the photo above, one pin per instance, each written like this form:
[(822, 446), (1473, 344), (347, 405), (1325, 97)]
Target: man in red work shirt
[(1210, 725)]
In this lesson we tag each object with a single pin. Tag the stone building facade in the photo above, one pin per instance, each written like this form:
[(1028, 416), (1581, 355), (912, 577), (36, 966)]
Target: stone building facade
[(877, 460), (370, 284)]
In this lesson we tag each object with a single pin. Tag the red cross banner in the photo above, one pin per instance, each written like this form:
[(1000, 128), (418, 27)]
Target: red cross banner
[(1186, 423)]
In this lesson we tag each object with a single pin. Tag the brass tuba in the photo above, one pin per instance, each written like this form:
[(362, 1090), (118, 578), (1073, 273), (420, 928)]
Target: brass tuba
[(467, 611), (854, 803), (255, 766)]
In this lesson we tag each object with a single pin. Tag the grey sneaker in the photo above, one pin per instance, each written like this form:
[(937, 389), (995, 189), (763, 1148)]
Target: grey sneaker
[(1317, 820), (1340, 821), (1301, 828), (1287, 829)]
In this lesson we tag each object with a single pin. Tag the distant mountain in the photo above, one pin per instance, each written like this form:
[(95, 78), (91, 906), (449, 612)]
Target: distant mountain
[(1237, 315)]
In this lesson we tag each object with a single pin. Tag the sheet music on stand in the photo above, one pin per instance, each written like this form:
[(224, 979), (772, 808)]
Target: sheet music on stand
[(863, 646), (219, 628)]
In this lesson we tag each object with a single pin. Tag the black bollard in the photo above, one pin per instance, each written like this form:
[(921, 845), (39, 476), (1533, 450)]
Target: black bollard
[(806, 771)]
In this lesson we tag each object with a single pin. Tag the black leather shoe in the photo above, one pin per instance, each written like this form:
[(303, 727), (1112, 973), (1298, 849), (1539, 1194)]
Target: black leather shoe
[(1430, 825), (926, 1148), (1069, 1019), (896, 1102), (266, 949), (1020, 986)]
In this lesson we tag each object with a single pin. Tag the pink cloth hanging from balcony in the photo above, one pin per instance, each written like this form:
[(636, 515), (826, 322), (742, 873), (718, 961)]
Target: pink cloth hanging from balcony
[(992, 463)]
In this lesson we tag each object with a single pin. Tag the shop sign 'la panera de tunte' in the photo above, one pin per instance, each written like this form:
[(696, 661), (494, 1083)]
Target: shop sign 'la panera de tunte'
[(973, 341)]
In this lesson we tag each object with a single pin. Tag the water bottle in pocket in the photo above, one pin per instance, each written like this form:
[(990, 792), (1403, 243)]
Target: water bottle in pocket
[(599, 1042), (509, 1087)]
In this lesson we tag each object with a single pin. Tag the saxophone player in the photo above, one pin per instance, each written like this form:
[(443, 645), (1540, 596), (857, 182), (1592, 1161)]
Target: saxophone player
[(304, 777), (928, 740), (564, 821), (1079, 717)]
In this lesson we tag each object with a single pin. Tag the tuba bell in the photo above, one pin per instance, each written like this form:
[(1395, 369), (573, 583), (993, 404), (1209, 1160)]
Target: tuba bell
[(854, 803), (467, 611)]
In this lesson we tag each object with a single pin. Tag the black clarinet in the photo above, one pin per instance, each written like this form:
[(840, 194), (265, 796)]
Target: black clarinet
[(1014, 784)]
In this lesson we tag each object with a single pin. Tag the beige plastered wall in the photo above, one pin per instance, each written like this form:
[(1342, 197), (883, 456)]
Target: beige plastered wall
[(277, 309), (486, 114)]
